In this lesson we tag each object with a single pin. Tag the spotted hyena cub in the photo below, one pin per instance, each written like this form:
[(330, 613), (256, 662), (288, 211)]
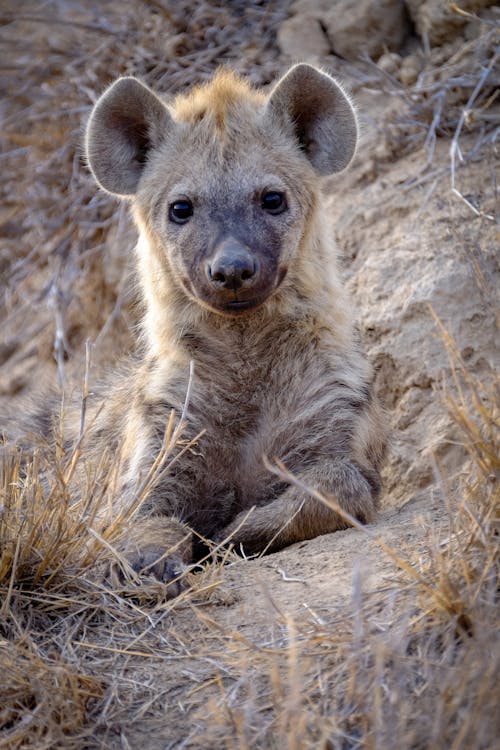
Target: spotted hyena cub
[(238, 275)]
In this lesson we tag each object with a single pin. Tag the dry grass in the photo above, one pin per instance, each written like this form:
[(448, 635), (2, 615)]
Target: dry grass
[(86, 664), (58, 535), (44, 701), (455, 93), (413, 665)]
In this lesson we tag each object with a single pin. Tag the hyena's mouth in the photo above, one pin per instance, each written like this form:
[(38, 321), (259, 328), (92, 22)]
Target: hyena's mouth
[(244, 304), (238, 306)]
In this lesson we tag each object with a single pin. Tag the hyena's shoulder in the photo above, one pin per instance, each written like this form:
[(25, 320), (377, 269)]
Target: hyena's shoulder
[(97, 409)]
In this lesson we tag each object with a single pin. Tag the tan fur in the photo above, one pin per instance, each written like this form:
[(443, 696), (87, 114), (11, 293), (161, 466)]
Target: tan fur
[(216, 100), (284, 378)]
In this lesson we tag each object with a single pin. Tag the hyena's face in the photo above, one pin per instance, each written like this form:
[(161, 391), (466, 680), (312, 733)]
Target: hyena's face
[(225, 178), (231, 222)]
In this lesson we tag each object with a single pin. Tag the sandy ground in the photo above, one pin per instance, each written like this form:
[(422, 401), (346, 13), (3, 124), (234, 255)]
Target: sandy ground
[(311, 583)]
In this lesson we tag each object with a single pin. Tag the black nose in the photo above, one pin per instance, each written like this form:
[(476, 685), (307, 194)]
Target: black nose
[(232, 267)]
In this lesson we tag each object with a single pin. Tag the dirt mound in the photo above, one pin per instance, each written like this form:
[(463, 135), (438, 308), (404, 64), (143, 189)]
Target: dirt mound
[(381, 638)]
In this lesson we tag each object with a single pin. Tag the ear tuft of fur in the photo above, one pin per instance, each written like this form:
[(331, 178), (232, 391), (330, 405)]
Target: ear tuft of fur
[(321, 115), (126, 122)]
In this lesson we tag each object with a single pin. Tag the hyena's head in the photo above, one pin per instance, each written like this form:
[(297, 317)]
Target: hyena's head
[(224, 179)]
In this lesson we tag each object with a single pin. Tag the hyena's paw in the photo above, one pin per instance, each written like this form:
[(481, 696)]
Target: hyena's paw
[(155, 562), (158, 548), (244, 534)]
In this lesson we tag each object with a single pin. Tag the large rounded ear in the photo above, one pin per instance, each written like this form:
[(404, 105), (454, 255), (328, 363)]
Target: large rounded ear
[(126, 122), (322, 117)]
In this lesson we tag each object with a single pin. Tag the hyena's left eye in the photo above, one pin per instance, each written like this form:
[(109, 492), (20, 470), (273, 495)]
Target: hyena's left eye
[(273, 202), (180, 211)]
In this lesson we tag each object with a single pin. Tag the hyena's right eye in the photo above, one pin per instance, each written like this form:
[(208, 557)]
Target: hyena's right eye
[(273, 202), (180, 211)]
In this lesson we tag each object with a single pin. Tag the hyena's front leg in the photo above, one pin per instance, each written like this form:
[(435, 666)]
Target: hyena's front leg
[(156, 541), (296, 515)]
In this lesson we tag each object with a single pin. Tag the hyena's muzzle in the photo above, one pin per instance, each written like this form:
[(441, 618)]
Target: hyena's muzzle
[(239, 278)]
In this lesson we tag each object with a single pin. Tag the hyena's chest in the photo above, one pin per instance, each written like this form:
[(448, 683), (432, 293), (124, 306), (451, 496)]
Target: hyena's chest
[(239, 435), (236, 419)]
